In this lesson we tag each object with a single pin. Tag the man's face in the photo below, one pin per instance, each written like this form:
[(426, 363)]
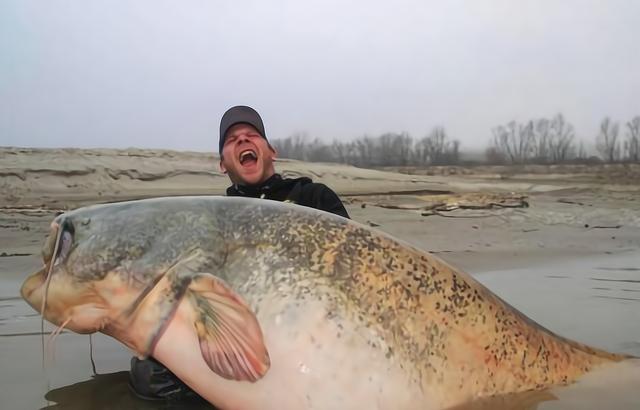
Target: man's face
[(247, 157)]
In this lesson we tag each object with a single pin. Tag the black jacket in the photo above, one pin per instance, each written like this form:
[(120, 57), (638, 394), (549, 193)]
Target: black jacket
[(302, 191)]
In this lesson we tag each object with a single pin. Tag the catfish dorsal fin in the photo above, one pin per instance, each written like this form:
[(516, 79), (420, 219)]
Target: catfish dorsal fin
[(230, 337)]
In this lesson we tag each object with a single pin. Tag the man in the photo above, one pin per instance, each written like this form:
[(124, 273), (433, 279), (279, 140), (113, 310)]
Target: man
[(247, 158)]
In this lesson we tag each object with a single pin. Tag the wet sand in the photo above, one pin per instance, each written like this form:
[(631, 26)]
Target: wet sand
[(570, 261)]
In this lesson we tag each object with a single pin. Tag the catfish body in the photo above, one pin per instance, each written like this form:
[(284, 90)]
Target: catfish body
[(259, 304)]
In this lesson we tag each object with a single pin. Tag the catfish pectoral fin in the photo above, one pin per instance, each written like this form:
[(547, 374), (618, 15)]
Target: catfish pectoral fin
[(231, 341), (230, 337)]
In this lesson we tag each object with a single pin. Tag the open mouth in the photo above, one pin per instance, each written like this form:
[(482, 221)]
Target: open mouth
[(248, 157)]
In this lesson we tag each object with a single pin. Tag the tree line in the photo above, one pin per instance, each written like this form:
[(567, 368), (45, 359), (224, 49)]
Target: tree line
[(536, 141)]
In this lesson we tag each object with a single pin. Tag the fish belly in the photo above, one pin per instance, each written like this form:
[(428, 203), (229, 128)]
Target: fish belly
[(318, 361)]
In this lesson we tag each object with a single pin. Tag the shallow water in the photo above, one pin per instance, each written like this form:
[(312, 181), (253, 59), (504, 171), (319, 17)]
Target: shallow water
[(594, 300), (615, 388)]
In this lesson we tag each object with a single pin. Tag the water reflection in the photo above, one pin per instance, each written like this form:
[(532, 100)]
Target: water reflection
[(109, 392), (610, 387), (529, 400)]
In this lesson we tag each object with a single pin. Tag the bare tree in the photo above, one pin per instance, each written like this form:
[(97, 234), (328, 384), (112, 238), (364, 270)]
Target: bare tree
[(318, 152), (389, 149), (294, 146), (542, 140), (437, 149), (494, 156), (430, 147), (539, 141), (385, 154), (632, 144), (339, 151), (607, 141), (403, 144), (582, 151), (394, 149), (561, 140), (515, 141), (365, 148), (452, 154)]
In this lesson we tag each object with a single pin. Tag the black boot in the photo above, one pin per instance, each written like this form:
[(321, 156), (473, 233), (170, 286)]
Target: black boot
[(150, 380)]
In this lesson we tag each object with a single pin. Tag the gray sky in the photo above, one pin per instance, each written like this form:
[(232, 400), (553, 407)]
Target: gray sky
[(157, 73)]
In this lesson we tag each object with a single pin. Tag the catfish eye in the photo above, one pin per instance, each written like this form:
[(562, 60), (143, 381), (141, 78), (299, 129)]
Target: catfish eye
[(66, 239)]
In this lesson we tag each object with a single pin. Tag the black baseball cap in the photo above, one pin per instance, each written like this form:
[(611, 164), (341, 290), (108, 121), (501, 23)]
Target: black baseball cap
[(239, 114)]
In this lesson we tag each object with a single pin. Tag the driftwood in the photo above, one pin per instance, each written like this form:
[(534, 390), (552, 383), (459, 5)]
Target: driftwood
[(27, 210), (568, 201), (439, 204)]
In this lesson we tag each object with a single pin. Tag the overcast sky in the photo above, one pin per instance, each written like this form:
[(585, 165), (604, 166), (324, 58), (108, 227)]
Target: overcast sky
[(155, 73)]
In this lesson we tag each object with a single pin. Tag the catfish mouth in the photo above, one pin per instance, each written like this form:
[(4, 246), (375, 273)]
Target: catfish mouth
[(37, 279), (55, 250), (33, 283)]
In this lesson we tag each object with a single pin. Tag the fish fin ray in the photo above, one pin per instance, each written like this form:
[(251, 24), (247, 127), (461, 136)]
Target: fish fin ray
[(230, 337)]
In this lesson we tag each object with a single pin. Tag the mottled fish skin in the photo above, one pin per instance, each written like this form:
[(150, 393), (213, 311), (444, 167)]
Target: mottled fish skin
[(422, 308), (446, 330)]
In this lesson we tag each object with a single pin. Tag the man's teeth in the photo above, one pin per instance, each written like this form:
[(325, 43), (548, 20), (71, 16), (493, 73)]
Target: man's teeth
[(248, 154)]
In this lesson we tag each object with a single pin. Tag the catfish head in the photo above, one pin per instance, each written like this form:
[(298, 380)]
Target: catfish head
[(124, 269), (97, 262), (57, 292)]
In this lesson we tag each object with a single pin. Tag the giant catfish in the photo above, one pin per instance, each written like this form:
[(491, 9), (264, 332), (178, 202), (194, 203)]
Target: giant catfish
[(258, 304)]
